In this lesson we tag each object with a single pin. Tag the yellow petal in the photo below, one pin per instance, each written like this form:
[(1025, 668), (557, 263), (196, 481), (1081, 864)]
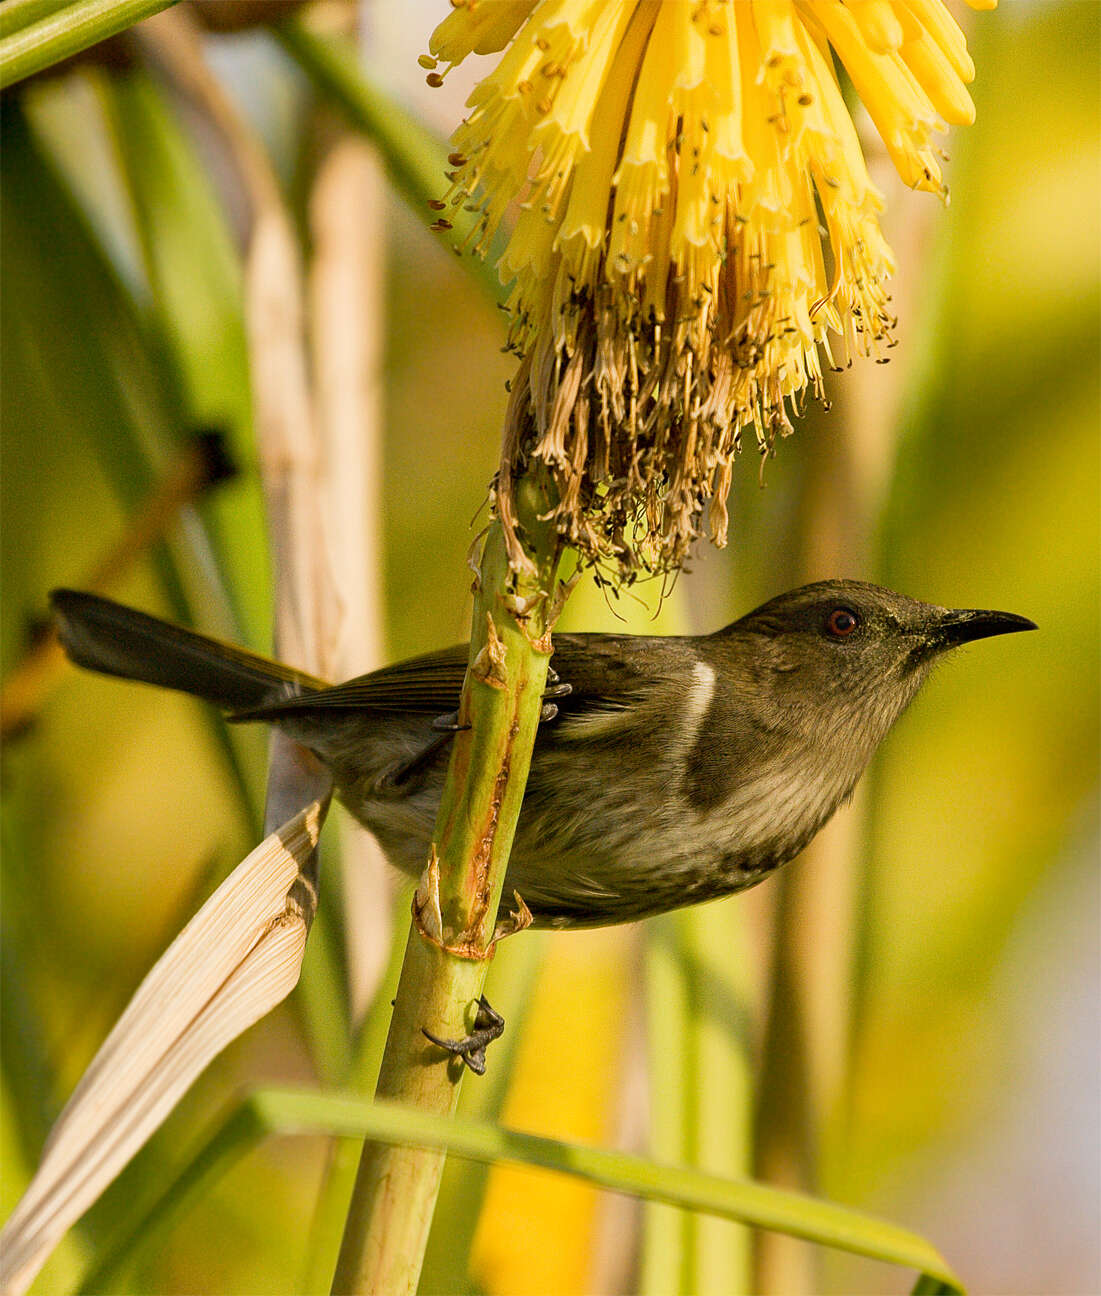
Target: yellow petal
[(944, 29), (878, 23)]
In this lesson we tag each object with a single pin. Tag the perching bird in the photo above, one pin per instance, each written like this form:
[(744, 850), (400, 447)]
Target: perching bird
[(673, 770)]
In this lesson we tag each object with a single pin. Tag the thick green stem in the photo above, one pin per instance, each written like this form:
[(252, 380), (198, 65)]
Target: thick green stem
[(445, 958), (66, 32), (17, 14)]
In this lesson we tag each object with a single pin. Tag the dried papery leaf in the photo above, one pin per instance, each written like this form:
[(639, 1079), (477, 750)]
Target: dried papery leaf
[(295, 470), (233, 962)]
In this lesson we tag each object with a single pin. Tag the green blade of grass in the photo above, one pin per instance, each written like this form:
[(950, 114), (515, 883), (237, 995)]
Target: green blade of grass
[(720, 1090), (15, 15), (66, 32), (193, 271), (296, 1111)]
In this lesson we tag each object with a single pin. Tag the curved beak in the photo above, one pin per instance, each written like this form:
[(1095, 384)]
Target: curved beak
[(959, 626)]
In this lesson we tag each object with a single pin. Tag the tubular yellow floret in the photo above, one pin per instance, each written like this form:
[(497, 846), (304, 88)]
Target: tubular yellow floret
[(692, 221)]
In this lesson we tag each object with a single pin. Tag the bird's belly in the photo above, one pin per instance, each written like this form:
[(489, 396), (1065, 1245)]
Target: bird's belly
[(592, 853), (593, 890), (607, 863)]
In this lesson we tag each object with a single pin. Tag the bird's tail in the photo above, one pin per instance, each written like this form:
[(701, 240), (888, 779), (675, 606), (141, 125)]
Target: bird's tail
[(116, 640)]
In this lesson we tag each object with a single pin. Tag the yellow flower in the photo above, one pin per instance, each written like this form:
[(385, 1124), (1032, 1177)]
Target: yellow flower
[(692, 232)]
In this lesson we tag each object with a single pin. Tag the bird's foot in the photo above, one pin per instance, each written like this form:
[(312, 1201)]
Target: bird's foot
[(555, 689), (450, 722), (489, 1025)]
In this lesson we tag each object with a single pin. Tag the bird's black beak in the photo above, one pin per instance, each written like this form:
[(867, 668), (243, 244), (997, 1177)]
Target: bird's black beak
[(963, 625)]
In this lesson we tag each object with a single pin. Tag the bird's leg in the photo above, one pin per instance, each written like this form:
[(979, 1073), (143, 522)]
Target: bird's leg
[(488, 1026), (449, 723)]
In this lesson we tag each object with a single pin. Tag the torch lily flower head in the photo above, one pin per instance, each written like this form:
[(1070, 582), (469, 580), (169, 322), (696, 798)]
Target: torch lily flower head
[(692, 233)]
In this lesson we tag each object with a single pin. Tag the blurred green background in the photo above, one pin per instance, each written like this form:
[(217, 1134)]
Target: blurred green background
[(959, 1091)]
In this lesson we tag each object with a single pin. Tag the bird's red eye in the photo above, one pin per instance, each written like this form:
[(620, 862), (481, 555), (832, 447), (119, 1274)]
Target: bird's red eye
[(841, 622)]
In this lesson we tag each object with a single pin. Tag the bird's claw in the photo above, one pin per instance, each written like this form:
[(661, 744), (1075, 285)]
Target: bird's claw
[(556, 689), (488, 1026)]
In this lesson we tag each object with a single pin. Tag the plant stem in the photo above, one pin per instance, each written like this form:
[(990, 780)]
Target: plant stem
[(395, 1193), (15, 15), (68, 31)]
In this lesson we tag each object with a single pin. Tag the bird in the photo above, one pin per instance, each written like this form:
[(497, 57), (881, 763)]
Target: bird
[(667, 770)]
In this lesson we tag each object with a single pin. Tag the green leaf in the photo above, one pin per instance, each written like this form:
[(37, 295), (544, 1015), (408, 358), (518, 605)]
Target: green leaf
[(295, 1111), (194, 276), (106, 381), (66, 32), (665, 1253)]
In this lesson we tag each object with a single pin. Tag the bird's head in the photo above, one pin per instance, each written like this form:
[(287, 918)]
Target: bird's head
[(847, 656)]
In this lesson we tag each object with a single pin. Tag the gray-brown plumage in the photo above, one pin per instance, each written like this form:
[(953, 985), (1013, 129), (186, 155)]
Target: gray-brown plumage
[(676, 769)]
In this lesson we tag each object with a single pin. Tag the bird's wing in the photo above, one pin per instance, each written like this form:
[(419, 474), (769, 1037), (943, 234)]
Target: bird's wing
[(600, 674), (605, 672), (430, 684)]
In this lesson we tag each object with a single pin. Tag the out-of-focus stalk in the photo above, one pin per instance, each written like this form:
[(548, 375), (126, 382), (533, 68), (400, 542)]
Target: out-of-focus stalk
[(17, 14), (819, 905), (347, 216), (199, 466), (455, 907), (66, 32), (720, 1125), (665, 1230), (347, 211), (293, 467), (414, 158)]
